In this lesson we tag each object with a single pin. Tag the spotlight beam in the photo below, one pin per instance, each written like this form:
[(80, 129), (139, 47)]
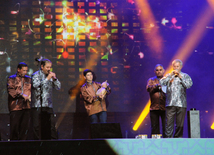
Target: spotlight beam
[(183, 53), (150, 29), (90, 65)]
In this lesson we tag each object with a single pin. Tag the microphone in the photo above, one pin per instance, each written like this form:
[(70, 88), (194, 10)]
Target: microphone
[(38, 59)]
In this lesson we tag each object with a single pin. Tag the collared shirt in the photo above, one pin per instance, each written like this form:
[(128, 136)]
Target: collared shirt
[(157, 96), (16, 86), (41, 86), (176, 89)]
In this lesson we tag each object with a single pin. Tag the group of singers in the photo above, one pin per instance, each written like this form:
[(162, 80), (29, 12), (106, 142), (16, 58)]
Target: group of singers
[(29, 96)]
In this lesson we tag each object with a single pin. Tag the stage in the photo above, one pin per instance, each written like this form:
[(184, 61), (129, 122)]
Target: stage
[(179, 146)]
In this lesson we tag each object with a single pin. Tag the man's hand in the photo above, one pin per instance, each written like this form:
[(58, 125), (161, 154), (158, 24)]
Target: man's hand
[(104, 84), (101, 96), (26, 97), (176, 73), (51, 75)]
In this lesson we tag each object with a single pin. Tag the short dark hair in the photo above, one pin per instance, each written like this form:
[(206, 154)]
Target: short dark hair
[(44, 61), (21, 64), (87, 71), (158, 66)]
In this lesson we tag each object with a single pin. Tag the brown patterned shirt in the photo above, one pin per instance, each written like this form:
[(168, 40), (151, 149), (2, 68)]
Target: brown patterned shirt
[(16, 86)]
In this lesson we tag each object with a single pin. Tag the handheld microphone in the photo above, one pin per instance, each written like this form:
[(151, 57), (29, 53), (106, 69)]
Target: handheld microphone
[(38, 59)]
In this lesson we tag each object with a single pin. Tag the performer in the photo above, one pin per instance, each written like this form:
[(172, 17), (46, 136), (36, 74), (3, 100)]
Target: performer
[(177, 82), (94, 99), (43, 82), (19, 90), (158, 101)]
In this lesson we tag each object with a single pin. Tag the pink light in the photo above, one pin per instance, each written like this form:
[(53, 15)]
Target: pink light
[(130, 1), (174, 20), (141, 55), (14, 12), (139, 11), (131, 36)]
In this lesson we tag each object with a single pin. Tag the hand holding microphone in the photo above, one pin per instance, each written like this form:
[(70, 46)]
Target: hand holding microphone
[(176, 73), (51, 75)]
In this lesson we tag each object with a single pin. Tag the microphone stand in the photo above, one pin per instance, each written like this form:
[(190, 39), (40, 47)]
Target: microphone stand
[(45, 120)]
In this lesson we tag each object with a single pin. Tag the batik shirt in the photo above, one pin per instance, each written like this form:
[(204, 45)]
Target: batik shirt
[(41, 86), (176, 89)]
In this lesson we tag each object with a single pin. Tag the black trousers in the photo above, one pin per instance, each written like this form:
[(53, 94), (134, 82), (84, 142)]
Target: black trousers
[(40, 123), (19, 124), (155, 125), (171, 113)]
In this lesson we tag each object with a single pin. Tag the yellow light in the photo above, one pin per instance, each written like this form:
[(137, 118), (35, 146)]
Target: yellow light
[(212, 126), (143, 115)]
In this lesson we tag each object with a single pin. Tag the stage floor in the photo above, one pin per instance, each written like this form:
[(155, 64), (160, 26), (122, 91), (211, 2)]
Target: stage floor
[(179, 146)]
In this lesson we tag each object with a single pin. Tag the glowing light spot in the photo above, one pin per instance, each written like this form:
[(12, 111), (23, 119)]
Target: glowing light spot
[(131, 36), (212, 126), (141, 55), (8, 69), (174, 20), (14, 12), (65, 55)]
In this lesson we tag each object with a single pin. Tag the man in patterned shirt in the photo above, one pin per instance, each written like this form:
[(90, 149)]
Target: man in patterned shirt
[(19, 90), (43, 82), (177, 82), (158, 101)]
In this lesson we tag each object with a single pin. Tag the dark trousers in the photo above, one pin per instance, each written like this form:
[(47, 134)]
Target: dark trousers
[(19, 124), (102, 116), (38, 127), (155, 125), (171, 113)]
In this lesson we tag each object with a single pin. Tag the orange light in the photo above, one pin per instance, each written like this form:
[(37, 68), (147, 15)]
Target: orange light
[(65, 55)]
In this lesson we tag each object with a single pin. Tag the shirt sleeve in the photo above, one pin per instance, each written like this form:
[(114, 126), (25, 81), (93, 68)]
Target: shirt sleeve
[(57, 84), (165, 80), (186, 81)]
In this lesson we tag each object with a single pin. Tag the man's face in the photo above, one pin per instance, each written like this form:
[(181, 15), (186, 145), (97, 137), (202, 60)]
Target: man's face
[(22, 71), (177, 66), (159, 71), (89, 77), (46, 68)]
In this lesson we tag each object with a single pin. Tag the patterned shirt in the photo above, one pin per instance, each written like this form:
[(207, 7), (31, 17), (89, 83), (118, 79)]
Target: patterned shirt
[(43, 87), (176, 89), (157, 96)]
